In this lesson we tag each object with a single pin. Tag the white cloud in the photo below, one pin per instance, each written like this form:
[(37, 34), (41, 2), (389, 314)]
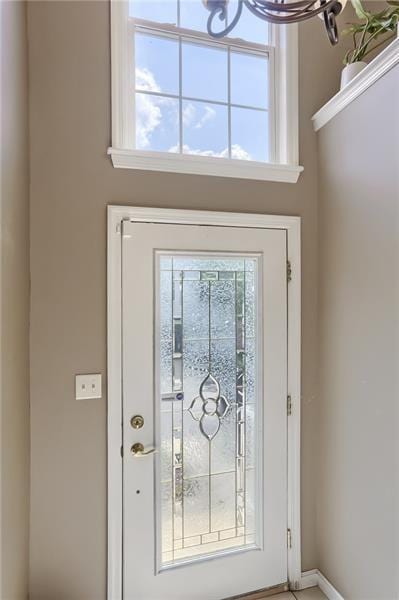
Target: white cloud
[(189, 113), (151, 110), (190, 118), (149, 117), (209, 114), (148, 113), (236, 152), (145, 80), (240, 153)]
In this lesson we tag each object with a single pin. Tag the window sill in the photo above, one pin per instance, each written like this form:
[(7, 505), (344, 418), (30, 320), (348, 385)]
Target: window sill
[(203, 165)]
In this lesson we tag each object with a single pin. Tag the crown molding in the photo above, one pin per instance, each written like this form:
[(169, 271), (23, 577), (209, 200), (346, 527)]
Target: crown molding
[(376, 69)]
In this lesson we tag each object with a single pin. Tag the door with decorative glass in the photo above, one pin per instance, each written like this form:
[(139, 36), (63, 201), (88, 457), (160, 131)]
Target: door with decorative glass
[(204, 344)]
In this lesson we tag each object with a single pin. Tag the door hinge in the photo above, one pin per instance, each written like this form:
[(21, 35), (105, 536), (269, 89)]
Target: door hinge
[(122, 451), (289, 538), (289, 406), (289, 271)]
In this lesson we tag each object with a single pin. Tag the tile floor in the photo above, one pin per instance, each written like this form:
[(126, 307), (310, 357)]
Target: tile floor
[(313, 593)]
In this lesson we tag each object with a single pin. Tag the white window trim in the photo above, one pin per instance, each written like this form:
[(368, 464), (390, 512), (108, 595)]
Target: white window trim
[(285, 101)]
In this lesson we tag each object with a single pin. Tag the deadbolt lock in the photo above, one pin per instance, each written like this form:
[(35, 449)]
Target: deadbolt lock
[(137, 422)]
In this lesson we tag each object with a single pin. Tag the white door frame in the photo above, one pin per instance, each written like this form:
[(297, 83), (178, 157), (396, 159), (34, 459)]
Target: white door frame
[(292, 225)]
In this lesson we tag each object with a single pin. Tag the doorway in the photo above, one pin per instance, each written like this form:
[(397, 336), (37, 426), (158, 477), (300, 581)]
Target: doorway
[(203, 386)]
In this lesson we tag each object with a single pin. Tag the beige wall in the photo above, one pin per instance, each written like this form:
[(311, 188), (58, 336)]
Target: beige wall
[(357, 507), (14, 269), (72, 182)]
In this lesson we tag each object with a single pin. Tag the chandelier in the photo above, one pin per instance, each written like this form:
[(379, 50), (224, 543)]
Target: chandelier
[(278, 12)]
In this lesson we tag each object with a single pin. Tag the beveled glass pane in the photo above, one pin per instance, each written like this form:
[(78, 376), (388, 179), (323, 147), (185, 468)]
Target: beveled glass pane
[(223, 302), (195, 367), (223, 364), (166, 445), (250, 304), (207, 323), (208, 263), (195, 448), (223, 455), (196, 309), (223, 501), (250, 369), (196, 508), (167, 519), (250, 498), (250, 435)]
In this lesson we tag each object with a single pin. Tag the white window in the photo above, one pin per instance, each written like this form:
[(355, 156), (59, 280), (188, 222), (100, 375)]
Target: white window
[(183, 101)]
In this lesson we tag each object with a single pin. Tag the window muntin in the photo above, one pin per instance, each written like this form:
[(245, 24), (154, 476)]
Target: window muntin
[(194, 95)]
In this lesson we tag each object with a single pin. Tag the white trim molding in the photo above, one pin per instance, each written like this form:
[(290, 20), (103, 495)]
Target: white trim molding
[(203, 165), (292, 225), (376, 69), (315, 578)]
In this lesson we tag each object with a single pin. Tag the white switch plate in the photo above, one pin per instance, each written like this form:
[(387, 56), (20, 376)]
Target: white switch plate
[(88, 386)]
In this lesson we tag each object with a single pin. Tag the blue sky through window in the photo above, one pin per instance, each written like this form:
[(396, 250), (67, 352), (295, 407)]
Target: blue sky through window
[(205, 128), (157, 123), (204, 72), (200, 120), (160, 57), (249, 81), (160, 11), (193, 15), (249, 131)]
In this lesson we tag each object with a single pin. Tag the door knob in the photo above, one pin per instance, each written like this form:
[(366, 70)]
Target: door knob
[(138, 450)]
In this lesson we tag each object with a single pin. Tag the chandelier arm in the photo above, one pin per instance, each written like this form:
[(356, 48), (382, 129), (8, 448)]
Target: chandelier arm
[(285, 7), (297, 16), (276, 12), (220, 9), (330, 23), (329, 8)]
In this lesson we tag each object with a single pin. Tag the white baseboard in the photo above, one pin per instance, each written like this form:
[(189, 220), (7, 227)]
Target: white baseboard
[(309, 579), (313, 578)]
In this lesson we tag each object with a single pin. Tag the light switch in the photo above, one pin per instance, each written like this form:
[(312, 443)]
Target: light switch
[(88, 386)]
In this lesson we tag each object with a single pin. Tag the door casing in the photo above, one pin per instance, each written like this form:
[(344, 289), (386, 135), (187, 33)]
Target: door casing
[(292, 225)]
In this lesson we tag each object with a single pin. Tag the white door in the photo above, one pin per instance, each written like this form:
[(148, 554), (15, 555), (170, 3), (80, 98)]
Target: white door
[(204, 344)]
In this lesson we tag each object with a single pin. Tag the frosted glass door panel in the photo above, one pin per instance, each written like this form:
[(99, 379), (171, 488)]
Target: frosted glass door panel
[(207, 405)]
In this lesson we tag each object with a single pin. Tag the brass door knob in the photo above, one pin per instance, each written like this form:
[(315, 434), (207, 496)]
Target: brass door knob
[(137, 422), (138, 450)]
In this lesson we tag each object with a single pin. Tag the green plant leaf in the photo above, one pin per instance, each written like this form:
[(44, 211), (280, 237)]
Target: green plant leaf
[(359, 10), (372, 31)]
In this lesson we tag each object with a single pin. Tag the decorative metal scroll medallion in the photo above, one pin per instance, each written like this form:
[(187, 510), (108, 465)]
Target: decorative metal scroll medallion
[(210, 407)]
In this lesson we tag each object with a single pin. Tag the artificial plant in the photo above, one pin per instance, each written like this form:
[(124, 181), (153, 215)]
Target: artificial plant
[(367, 34)]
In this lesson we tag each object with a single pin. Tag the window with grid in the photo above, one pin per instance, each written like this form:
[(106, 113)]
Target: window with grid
[(187, 94)]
